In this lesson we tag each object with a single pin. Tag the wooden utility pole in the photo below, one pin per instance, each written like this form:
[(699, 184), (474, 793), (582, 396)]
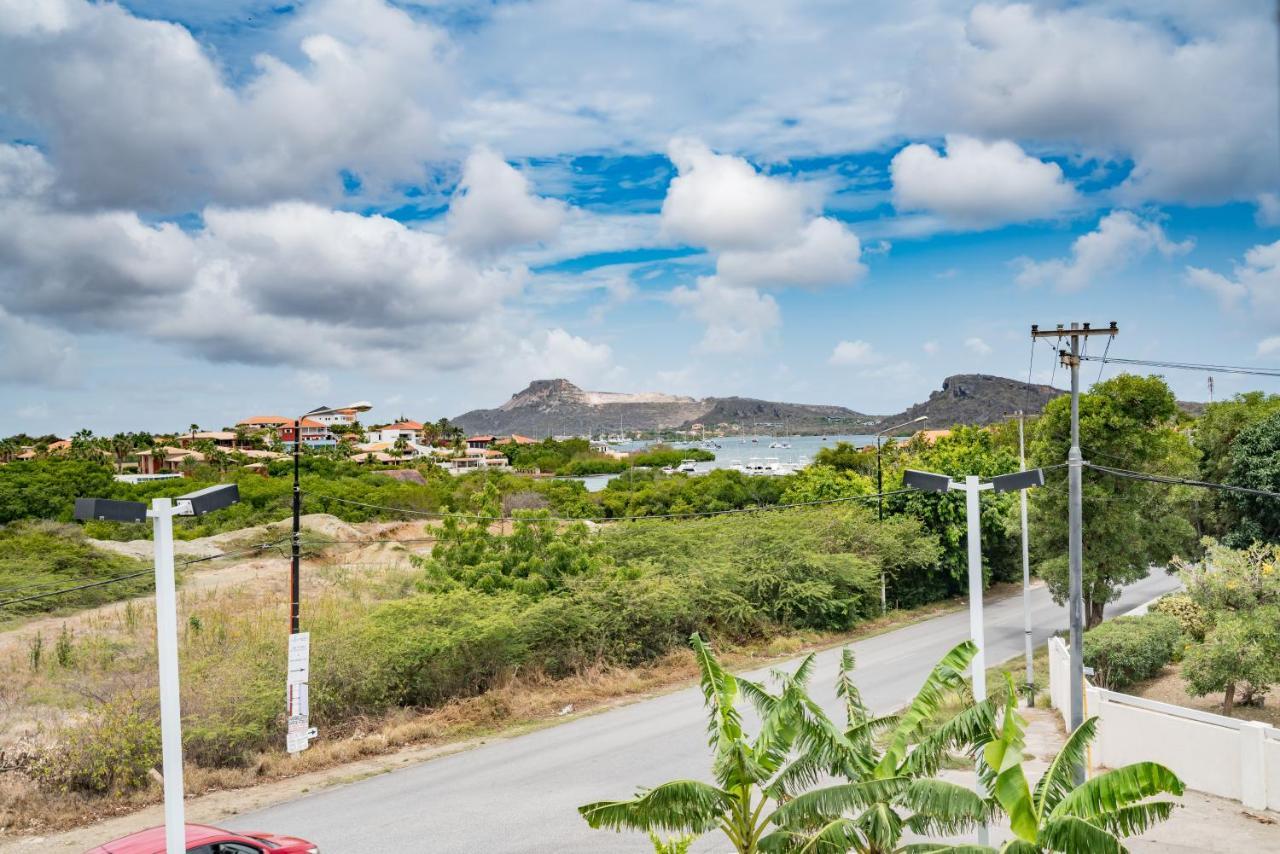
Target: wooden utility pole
[(1075, 469)]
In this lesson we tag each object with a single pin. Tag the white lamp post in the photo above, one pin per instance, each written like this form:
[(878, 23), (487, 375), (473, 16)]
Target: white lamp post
[(161, 513), (973, 486)]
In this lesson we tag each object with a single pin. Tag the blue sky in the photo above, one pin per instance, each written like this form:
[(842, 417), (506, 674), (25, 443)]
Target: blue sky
[(213, 210)]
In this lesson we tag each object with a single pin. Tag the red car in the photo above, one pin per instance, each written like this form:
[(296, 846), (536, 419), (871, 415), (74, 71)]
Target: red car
[(203, 839)]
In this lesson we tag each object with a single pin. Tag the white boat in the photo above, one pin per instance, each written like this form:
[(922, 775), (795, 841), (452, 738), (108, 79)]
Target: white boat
[(762, 466), (780, 445), (688, 466)]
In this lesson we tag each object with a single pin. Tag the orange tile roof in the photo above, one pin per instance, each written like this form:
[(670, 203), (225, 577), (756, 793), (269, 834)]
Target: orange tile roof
[(523, 440), (267, 420), (404, 425)]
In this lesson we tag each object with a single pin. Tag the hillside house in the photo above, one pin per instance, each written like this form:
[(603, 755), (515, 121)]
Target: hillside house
[(344, 415), (315, 434), (407, 430), (224, 439), (167, 459)]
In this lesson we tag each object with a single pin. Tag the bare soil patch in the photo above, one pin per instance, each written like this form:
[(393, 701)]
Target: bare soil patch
[(1169, 687)]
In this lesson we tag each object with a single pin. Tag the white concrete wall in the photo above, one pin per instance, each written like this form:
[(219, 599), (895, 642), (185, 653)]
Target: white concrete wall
[(1211, 753), (1271, 756)]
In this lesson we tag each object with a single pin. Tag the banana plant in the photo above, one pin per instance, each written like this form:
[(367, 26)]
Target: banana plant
[(752, 775), (890, 764), (1059, 816)]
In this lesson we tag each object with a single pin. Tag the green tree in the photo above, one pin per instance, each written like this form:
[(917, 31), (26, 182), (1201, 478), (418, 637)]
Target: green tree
[(1255, 463), (84, 446), (1129, 525), (824, 483), (1214, 436), (1058, 815), (843, 456), (966, 451), (1242, 649)]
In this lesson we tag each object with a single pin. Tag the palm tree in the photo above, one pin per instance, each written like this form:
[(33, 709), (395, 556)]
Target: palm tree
[(122, 446), (750, 774), (890, 767), (220, 459), (1058, 815), (760, 782), (193, 429), (400, 447), (430, 433), (82, 445), (9, 449)]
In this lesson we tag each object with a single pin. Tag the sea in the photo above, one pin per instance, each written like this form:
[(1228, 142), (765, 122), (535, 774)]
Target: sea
[(741, 450)]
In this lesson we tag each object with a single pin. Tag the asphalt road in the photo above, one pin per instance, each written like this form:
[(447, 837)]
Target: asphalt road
[(519, 795)]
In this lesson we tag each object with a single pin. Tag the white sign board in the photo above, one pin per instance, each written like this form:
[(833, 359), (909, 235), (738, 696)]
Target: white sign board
[(297, 699), (299, 657)]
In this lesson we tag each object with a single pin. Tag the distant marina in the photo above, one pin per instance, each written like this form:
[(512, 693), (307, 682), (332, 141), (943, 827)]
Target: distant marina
[(762, 455)]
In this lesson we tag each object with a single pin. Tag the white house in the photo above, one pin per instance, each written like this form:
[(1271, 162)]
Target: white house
[(410, 431), (329, 415)]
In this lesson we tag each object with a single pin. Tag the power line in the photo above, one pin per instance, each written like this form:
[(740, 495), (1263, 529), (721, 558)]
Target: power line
[(1103, 366), (118, 578), (1181, 481), (1188, 366), (435, 514)]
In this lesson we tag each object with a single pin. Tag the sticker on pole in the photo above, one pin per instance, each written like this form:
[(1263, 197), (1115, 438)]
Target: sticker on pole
[(297, 700), (299, 657)]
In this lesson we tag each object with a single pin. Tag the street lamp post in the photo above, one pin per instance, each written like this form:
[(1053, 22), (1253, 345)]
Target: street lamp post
[(884, 604), (162, 512), (973, 486)]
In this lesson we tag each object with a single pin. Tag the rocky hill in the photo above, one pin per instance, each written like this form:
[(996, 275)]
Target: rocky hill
[(771, 417), (560, 407), (975, 399)]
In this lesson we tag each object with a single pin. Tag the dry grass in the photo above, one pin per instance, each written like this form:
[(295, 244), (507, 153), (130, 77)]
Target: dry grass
[(114, 649)]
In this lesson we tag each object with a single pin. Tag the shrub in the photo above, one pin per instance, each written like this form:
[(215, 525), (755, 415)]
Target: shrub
[(434, 647), (1129, 649), (111, 751), (1191, 618), (1242, 649)]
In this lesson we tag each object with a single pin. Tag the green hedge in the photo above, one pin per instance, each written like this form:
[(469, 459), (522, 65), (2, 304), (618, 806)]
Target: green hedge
[(1128, 650)]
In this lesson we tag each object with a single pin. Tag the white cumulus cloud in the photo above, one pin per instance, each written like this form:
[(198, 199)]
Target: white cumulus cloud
[(137, 112), (978, 184), (1121, 239), (31, 354), (1254, 283), (1268, 346), (765, 234), (737, 319), (495, 208), (977, 345), (722, 202), (1191, 103), (853, 353)]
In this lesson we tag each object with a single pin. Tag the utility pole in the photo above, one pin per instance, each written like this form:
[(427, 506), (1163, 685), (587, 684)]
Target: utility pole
[(1211, 389), (1075, 513), (1026, 567)]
